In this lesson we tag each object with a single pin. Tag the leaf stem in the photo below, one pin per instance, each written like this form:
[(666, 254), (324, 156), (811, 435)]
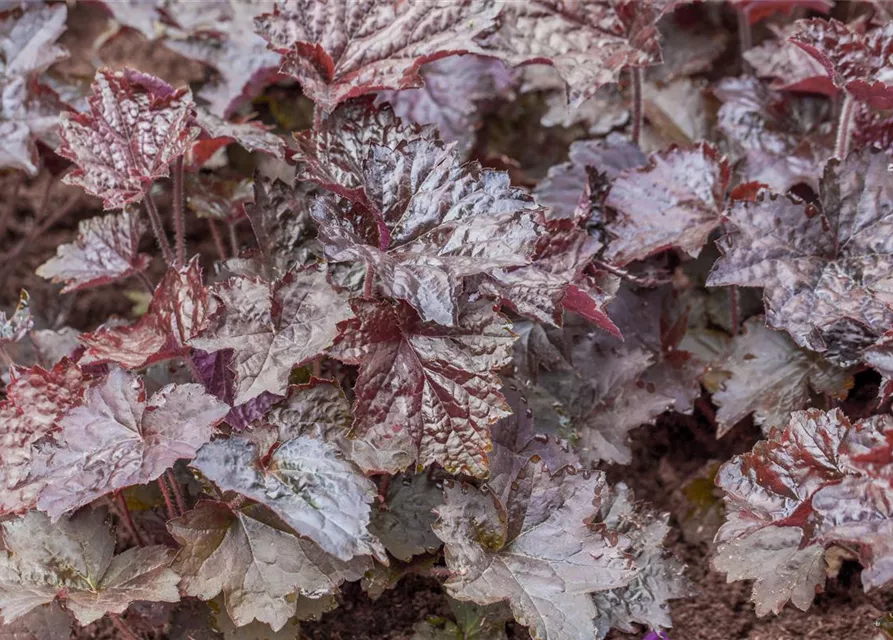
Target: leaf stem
[(636, 134), (179, 213), (128, 518), (168, 500), (745, 38), (233, 239), (123, 628), (844, 127), (218, 239), (158, 229), (175, 487), (146, 282), (368, 286)]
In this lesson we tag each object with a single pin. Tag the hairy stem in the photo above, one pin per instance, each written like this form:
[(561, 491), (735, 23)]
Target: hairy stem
[(218, 239), (158, 229), (844, 127), (638, 115), (745, 38), (144, 279), (178, 494), (233, 239), (168, 500), (179, 213), (368, 281), (123, 628), (128, 518), (733, 309)]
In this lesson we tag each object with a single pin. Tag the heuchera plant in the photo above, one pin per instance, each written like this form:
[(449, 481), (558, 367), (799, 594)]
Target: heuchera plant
[(412, 360)]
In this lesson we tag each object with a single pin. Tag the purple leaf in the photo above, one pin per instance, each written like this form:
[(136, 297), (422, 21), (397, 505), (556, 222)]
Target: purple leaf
[(338, 50), (73, 560), (137, 126), (272, 328), (117, 439), (106, 250), (427, 389)]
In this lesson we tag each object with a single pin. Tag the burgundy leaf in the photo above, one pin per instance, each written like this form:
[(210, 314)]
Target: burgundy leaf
[(304, 481), (403, 523), (539, 551), (28, 40), (824, 268), (251, 557), (784, 140), (220, 197), (338, 50), (660, 576), (46, 622), (106, 249), (588, 43), (677, 200), (614, 386), (791, 68), (334, 154), (35, 400), (854, 61), (280, 219), (137, 126), (14, 327), (769, 376), (222, 37), (272, 328), (455, 92), (421, 239), (687, 47), (607, 110), (117, 439), (555, 281), (427, 389), (319, 409), (73, 560), (566, 184), (217, 374), (785, 499), (252, 136), (180, 310)]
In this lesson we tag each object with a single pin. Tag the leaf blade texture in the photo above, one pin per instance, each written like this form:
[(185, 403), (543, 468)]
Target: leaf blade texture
[(117, 438), (106, 249), (136, 127), (74, 560), (340, 50)]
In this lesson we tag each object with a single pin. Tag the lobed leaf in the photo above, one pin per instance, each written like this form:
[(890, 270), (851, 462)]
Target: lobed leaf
[(305, 482), (337, 50), (73, 560), (769, 376), (136, 127), (424, 388), (106, 249), (823, 267), (589, 43), (677, 200), (251, 557), (272, 328), (538, 551), (117, 439), (179, 311)]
